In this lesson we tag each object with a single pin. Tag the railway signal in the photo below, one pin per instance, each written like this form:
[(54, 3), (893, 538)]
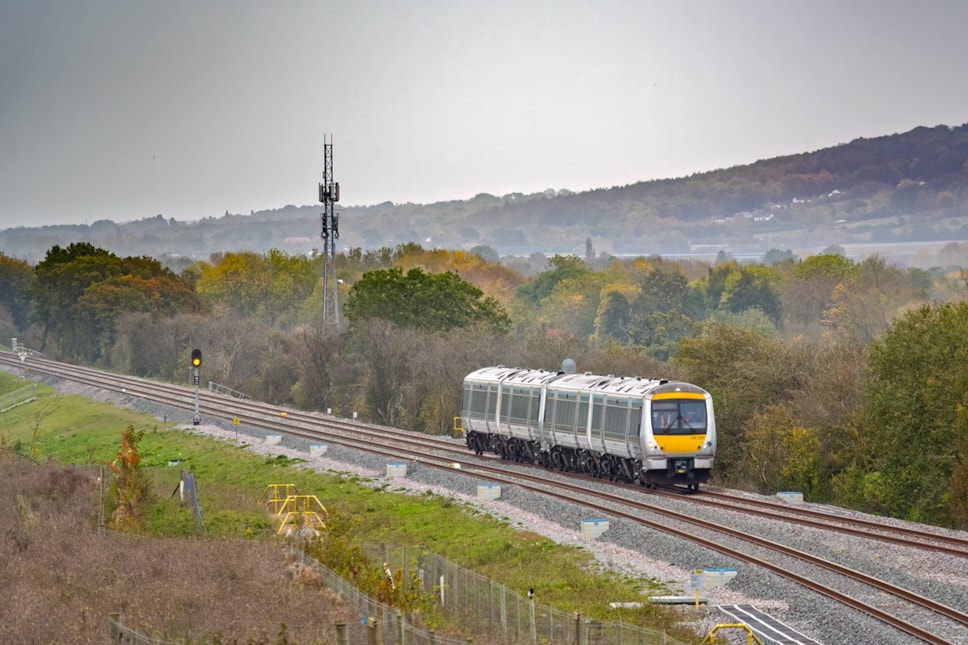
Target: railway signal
[(196, 363)]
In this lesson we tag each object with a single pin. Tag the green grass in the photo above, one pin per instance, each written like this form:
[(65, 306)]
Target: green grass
[(230, 480)]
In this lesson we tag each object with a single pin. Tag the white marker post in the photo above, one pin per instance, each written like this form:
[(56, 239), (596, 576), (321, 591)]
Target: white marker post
[(695, 582)]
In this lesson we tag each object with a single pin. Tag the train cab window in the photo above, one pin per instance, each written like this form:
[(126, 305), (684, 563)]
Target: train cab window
[(694, 416), (678, 417)]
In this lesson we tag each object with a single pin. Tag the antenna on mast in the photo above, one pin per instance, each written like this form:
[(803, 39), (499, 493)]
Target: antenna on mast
[(329, 195)]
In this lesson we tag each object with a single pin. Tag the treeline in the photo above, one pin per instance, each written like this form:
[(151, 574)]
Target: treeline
[(841, 379)]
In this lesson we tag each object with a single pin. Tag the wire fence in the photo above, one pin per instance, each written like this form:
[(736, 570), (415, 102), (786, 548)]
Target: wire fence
[(475, 603), (20, 396), (483, 606), (224, 389)]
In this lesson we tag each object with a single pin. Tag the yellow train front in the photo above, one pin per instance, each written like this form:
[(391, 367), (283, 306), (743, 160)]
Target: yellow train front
[(650, 431)]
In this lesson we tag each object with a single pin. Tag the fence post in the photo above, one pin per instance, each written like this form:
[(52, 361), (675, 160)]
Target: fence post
[(375, 634), (577, 628), (504, 611), (114, 631), (534, 625)]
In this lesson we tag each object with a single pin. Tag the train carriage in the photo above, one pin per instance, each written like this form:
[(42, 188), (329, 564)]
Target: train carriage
[(650, 431)]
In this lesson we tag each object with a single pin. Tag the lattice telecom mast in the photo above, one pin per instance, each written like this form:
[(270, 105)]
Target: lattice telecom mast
[(329, 195)]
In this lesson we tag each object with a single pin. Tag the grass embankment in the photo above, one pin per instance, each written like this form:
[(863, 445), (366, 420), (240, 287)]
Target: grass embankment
[(231, 479)]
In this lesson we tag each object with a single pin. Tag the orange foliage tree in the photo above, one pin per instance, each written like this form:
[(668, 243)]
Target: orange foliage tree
[(129, 488)]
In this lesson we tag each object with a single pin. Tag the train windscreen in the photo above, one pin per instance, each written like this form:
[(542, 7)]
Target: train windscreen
[(679, 416)]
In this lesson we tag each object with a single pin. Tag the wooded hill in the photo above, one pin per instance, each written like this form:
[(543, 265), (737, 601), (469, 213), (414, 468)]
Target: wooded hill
[(910, 187)]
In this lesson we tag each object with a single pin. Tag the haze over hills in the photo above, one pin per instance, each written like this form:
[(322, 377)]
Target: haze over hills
[(901, 196)]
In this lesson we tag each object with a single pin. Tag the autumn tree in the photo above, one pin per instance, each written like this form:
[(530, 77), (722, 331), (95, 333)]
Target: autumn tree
[(572, 305), (865, 303), (129, 486), (81, 292), (99, 309), (806, 288), (270, 288)]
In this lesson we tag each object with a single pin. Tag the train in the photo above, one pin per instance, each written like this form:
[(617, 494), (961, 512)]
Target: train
[(653, 432)]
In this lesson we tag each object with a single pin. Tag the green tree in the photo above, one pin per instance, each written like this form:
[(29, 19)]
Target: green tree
[(15, 278), (59, 281), (562, 267), (83, 291), (486, 253), (663, 310), (751, 287), (614, 317), (782, 454), (917, 394), (418, 300), (744, 372)]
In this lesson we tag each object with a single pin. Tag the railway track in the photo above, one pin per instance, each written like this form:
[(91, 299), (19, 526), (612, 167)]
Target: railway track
[(913, 614)]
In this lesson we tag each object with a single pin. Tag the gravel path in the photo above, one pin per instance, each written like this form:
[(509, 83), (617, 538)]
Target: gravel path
[(638, 551)]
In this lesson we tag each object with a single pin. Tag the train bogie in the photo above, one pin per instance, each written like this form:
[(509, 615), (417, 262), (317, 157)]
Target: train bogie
[(650, 431)]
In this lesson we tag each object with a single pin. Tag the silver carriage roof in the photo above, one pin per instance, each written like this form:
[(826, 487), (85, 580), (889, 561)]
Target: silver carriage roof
[(623, 385), (502, 374), (634, 386)]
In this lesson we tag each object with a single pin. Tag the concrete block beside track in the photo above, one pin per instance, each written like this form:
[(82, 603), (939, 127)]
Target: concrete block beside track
[(488, 491), (397, 470), (593, 528)]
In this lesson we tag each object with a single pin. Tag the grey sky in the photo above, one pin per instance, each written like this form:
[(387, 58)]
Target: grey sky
[(124, 109)]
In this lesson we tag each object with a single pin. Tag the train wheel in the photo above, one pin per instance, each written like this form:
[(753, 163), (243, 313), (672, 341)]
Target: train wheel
[(557, 461), (607, 468)]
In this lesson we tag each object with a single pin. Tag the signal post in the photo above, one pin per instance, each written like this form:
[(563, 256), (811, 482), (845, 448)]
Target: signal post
[(196, 363)]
